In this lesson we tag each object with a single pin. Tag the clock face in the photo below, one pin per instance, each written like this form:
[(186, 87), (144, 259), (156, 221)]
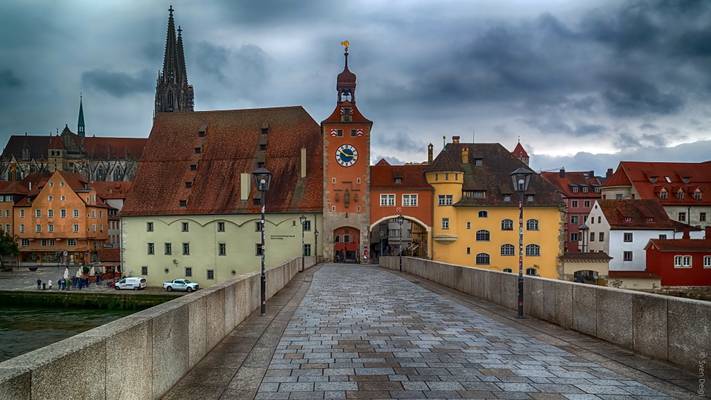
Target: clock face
[(346, 155)]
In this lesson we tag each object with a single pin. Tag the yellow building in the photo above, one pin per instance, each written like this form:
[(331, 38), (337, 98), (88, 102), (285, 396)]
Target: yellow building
[(476, 212)]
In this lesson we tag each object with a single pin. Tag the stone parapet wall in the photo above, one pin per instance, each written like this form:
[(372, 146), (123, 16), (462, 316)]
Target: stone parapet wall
[(667, 328), (142, 355)]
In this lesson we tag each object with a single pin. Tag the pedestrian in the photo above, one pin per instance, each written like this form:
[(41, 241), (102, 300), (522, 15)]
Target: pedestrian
[(39, 283), (49, 284)]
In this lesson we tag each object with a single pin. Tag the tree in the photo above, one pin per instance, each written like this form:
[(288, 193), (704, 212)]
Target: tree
[(8, 246)]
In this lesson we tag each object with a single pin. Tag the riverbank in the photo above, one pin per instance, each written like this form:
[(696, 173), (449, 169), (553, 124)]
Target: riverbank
[(85, 299)]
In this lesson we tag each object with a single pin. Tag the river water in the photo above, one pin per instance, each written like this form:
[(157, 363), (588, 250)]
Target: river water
[(23, 329)]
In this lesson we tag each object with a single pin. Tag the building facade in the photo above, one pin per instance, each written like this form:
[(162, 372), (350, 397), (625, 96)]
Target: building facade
[(681, 262), (683, 189), (579, 190), (475, 216)]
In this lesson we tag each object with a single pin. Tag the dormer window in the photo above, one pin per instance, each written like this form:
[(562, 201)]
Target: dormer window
[(507, 198), (529, 198), (697, 194), (183, 203), (575, 189), (198, 150), (653, 179), (478, 162), (188, 185), (663, 194), (585, 189), (398, 180), (202, 131), (265, 131), (628, 220), (668, 179), (650, 220), (474, 194), (680, 194)]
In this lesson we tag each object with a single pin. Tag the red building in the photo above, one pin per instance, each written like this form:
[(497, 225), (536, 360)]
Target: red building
[(579, 190), (400, 190), (681, 262)]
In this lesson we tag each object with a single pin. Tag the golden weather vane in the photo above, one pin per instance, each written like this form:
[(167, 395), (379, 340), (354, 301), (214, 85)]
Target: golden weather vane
[(345, 44)]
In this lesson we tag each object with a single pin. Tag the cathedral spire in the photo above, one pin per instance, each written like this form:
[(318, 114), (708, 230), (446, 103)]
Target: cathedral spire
[(80, 124), (173, 93)]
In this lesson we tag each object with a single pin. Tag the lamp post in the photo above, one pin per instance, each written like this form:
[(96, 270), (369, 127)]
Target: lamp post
[(584, 232), (400, 221), (302, 219), (315, 240), (520, 179), (262, 179)]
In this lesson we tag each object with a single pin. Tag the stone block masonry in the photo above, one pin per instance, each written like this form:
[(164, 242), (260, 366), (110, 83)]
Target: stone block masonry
[(143, 355)]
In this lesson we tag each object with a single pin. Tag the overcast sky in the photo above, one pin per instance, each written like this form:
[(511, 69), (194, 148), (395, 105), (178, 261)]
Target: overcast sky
[(583, 83)]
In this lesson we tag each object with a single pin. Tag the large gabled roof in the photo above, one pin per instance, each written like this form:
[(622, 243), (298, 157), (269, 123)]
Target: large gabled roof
[(566, 180), (412, 176), (637, 214), (230, 146)]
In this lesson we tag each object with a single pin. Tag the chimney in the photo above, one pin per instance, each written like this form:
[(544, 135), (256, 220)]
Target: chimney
[(687, 234), (465, 155), (591, 174), (303, 162), (561, 173), (608, 174), (455, 139), (430, 153)]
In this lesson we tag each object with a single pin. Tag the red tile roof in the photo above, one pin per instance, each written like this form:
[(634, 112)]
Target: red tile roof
[(637, 214), (229, 148), (575, 178), (681, 245), (519, 151), (649, 178), (382, 175), (111, 190), (586, 257), (95, 148)]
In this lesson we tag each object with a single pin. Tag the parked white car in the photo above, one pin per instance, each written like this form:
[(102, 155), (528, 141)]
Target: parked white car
[(180, 285), (131, 282)]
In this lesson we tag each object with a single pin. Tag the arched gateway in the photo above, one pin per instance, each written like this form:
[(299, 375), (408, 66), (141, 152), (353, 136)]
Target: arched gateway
[(346, 244)]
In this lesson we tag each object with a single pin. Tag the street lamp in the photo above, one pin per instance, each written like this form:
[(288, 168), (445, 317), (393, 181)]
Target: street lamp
[(302, 219), (400, 220), (584, 229), (262, 179), (520, 179)]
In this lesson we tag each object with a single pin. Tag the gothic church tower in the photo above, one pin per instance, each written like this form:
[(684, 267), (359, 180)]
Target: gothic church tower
[(173, 93)]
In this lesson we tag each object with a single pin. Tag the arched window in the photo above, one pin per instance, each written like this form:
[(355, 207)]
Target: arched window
[(483, 214), (533, 250), (506, 225), (482, 259), (532, 225), (483, 235), (508, 250), (509, 270), (531, 272)]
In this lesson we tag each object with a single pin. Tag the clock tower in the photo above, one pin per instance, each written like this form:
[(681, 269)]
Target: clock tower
[(346, 174)]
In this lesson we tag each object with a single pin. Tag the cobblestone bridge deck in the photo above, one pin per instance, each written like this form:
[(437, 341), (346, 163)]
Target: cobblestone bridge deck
[(352, 332)]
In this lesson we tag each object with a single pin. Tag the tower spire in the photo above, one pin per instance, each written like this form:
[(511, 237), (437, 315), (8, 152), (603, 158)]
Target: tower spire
[(173, 93), (346, 81), (80, 124)]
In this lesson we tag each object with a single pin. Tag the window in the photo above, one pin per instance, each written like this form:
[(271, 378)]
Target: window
[(63, 213), (38, 212), (482, 235), (599, 220), (574, 219), (469, 225), (445, 223), (483, 214), (482, 259), (469, 250), (387, 200), (22, 228), (144, 270), (574, 204), (258, 226), (508, 250), (72, 242), (627, 256), (188, 271), (188, 185), (533, 250), (585, 189), (618, 196), (444, 199), (702, 217), (38, 228), (663, 194), (151, 249), (575, 189), (307, 226), (601, 237), (707, 261), (662, 236), (509, 270), (222, 249), (25, 242), (186, 249), (587, 203), (50, 213), (529, 198), (193, 167), (680, 194), (507, 198), (592, 236), (183, 203), (168, 249), (474, 194), (307, 250), (531, 272), (627, 236), (682, 217), (149, 226), (574, 237), (409, 200), (75, 213), (198, 150), (22, 213), (506, 225), (532, 225), (259, 249), (220, 226), (210, 274), (50, 227), (184, 227), (682, 261)]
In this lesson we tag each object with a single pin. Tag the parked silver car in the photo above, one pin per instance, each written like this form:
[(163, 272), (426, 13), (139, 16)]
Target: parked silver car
[(180, 285)]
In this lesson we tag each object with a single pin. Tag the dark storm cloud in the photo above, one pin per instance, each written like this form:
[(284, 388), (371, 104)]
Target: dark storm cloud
[(8, 79), (627, 94), (118, 84)]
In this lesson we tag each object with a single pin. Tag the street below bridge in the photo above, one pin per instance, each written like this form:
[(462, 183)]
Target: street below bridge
[(342, 331)]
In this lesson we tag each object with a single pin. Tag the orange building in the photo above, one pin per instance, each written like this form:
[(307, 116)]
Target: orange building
[(400, 190), (60, 220)]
